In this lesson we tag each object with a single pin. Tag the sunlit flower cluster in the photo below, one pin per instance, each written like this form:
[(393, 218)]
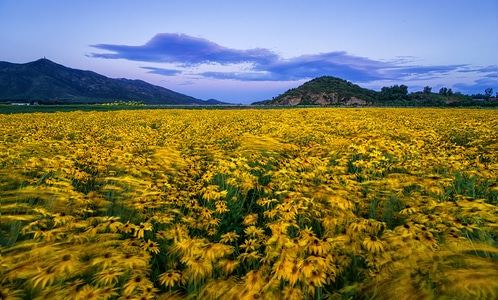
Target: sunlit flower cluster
[(247, 204)]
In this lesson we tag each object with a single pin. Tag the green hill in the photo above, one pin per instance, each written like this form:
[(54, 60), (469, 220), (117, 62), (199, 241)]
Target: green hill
[(326, 90)]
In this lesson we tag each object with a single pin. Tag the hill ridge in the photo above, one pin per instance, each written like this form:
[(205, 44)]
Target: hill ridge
[(48, 82)]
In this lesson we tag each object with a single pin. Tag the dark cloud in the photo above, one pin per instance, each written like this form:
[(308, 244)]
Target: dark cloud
[(265, 65), (184, 49), (339, 64)]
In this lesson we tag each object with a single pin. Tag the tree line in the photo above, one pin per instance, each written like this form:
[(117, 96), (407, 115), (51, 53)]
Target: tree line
[(398, 95)]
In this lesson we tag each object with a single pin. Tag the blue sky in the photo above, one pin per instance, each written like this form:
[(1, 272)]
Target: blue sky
[(246, 51)]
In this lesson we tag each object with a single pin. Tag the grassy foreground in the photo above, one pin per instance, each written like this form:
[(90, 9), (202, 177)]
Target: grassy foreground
[(246, 204)]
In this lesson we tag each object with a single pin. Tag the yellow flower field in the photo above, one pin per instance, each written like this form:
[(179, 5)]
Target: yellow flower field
[(246, 204)]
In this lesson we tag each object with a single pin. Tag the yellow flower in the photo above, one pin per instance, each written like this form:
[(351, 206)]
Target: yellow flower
[(88, 292), (307, 234), (137, 282), (250, 219), (293, 276), (151, 246), (127, 227), (291, 293), (250, 256), (107, 259), (250, 245), (212, 231), (198, 269), (227, 265), (62, 218), (213, 251), (114, 225), (254, 231), (318, 247), (251, 296), (229, 237), (45, 277), (140, 229), (211, 193), (307, 268), (169, 278), (161, 235), (177, 233), (253, 281), (317, 278), (108, 292), (221, 207), (282, 268), (428, 239), (108, 277), (134, 261), (373, 244), (408, 229)]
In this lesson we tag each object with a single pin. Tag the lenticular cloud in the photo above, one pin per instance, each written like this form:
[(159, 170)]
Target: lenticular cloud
[(261, 64), (185, 49)]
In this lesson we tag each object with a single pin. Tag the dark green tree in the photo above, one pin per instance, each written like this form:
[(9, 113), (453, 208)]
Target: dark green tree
[(488, 92), (403, 89)]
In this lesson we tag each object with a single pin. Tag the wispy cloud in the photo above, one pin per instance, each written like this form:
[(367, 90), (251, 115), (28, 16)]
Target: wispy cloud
[(259, 64), (162, 71), (491, 68)]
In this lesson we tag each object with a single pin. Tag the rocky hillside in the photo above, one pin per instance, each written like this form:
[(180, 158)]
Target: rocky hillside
[(47, 82), (326, 90)]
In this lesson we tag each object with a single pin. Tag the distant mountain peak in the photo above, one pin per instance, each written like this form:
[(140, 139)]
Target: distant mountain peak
[(43, 62)]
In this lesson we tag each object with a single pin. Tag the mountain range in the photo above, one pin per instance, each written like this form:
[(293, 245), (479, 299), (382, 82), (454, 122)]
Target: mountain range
[(47, 82)]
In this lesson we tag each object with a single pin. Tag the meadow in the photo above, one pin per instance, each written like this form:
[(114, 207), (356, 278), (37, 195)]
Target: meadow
[(312, 203)]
